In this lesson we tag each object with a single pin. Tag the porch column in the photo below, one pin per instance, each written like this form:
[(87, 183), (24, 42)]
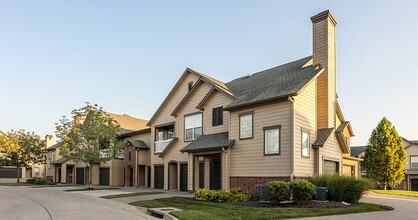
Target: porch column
[(207, 172), (196, 172), (190, 176)]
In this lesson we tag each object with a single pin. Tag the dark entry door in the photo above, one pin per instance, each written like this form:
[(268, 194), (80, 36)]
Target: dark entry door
[(131, 176), (149, 177), (183, 177), (201, 175), (414, 185), (104, 176), (159, 177), (215, 174), (79, 176)]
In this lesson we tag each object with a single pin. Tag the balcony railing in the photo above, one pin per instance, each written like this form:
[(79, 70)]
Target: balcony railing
[(161, 145)]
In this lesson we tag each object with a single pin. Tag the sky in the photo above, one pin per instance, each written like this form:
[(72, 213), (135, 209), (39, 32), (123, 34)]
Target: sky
[(127, 55)]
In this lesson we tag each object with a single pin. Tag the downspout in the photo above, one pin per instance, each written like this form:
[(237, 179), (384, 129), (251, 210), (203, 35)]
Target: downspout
[(292, 152)]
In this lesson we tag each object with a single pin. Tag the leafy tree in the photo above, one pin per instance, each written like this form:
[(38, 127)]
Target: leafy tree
[(21, 148), (385, 156), (89, 137)]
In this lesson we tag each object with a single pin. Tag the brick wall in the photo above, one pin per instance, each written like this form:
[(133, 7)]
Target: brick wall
[(128, 164), (250, 184)]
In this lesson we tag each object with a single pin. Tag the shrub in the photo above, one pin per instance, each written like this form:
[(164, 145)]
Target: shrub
[(278, 191), (43, 182), (233, 195), (343, 188), (302, 190)]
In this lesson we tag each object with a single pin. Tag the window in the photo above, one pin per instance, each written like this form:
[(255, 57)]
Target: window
[(414, 161), (272, 140), (53, 157), (37, 171), (246, 126), (49, 163), (305, 144), (189, 86), (217, 116), (170, 134), (193, 126), (160, 135)]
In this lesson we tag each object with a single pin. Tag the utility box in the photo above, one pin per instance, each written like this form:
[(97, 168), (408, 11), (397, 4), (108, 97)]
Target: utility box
[(262, 195), (321, 193)]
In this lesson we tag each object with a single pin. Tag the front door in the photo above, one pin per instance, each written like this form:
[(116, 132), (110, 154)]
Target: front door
[(69, 174), (414, 184), (183, 177), (159, 177), (131, 176), (104, 176), (79, 176), (215, 174)]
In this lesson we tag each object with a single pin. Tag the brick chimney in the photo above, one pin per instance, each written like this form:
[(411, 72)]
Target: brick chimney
[(324, 55), (49, 140)]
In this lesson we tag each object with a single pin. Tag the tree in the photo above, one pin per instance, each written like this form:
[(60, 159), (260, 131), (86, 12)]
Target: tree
[(89, 137), (385, 155), (21, 148)]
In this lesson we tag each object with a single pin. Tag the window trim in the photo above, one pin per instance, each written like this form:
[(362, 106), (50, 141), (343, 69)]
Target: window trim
[(410, 161), (217, 118), (252, 124), (279, 127), (309, 143), (184, 125)]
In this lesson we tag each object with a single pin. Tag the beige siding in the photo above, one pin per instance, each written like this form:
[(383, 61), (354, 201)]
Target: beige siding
[(217, 99), (305, 118), (164, 116), (247, 156), (410, 151), (144, 156), (117, 173), (330, 151)]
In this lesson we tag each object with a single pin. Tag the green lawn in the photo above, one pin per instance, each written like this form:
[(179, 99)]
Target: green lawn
[(129, 195), (15, 184), (397, 192), (87, 189), (208, 210)]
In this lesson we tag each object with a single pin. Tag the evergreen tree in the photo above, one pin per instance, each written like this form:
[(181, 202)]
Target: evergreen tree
[(385, 155)]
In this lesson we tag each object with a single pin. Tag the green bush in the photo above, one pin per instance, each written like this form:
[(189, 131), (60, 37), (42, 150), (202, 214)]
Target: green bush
[(343, 188), (42, 182), (233, 195), (278, 191), (302, 190)]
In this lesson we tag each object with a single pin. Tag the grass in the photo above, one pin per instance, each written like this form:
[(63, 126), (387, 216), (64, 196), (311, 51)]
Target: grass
[(15, 184), (129, 195), (207, 210), (397, 192), (87, 189)]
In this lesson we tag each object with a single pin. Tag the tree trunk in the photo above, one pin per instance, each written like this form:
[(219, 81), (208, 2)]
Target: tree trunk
[(18, 173), (384, 186), (91, 176)]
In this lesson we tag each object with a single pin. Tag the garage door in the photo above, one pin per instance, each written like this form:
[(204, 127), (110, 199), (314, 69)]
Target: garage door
[(104, 176), (183, 177), (159, 177), (330, 167), (8, 173), (80, 176)]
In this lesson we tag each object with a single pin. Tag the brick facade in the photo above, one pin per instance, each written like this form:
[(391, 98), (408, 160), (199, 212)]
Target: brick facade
[(129, 164), (250, 184)]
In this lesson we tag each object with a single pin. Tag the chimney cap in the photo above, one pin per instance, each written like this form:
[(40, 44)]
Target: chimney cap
[(323, 15)]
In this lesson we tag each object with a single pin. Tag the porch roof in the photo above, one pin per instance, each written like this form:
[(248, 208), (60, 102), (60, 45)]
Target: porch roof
[(138, 144), (209, 142), (60, 161)]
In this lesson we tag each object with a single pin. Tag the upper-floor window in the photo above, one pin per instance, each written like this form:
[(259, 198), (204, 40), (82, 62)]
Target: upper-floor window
[(272, 140), (49, 163), (414, 161), (305, 144), (217, 116), (189, 86), (170, 134), (129, 156), (160, 135), (53, 157), (246, 125), (192, 126)]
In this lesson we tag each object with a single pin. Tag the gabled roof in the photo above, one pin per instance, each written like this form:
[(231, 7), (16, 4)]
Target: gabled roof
[(356, 150), (209, 142), (410, 142), (272, 84), (55, 146), (341, 138), (138, 144), (60, 161), (322, 136), (128, 123), (340, 115), (133, 133)]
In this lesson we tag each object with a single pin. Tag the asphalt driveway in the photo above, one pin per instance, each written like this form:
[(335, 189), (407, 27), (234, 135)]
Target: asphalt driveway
[(47, 204)]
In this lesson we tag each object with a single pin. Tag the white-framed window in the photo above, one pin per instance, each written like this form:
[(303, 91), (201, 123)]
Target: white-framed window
[(160, 135), (272, 140), (170, 134), (53, 157), (414, 161), (305, 144), (246, 125), (37, 171), (192, 126), (49, 163)]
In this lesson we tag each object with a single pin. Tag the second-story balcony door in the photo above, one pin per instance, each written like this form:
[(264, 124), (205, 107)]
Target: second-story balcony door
[(164, 136)]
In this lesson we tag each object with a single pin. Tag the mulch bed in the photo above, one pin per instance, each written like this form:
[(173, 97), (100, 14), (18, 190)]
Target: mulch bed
[(307, 204)]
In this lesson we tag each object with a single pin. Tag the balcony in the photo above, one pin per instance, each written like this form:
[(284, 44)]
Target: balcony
[(161, 145)]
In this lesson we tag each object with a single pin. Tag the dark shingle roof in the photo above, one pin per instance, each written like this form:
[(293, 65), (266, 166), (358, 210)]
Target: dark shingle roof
[(60, 161), (209, 142), (277, 82), (342, 126), (356, 150), (322, 136), (55, 146), (138, 144)]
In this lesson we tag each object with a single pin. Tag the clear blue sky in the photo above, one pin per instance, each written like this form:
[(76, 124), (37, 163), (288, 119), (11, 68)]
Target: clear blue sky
[(127, 55)]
